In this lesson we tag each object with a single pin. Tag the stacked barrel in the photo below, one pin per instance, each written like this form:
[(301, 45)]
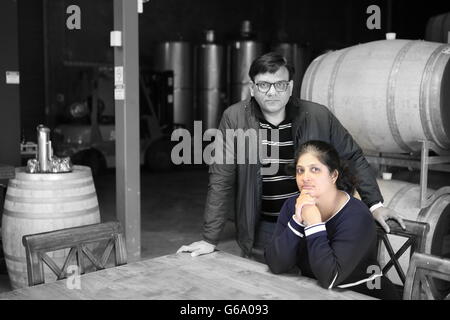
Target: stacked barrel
[(390, 95)]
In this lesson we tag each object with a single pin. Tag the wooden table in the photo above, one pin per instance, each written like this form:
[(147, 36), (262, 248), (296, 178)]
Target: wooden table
[(217, 276)]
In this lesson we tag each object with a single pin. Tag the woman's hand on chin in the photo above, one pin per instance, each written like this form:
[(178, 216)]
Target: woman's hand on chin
[(304, 200), (311, 215)]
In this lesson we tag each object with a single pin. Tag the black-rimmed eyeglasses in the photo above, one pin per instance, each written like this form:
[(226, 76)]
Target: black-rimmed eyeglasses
[(280, 86)]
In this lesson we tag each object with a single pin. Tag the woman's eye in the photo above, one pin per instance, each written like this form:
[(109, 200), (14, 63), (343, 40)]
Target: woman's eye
[(299, 171), (314, 169)]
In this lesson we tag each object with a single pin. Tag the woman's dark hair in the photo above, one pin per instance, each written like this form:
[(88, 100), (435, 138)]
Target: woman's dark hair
[(328, 156), (269, 62)]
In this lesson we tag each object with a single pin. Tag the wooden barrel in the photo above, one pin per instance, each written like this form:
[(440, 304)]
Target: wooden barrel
[(437, 28), (388, 94), (404, 197), (37, 203)]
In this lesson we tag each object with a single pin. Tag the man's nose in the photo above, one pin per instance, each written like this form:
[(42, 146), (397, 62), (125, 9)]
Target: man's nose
[(272, 90)]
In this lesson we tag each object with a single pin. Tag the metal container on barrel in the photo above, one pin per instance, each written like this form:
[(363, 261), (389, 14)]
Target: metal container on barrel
[(40, 202), (241, 54), (210, 81), (178, 57), (298, 56)]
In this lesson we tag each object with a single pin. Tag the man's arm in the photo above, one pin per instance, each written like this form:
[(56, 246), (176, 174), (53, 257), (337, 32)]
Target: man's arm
[(220, 197), (221, 188)]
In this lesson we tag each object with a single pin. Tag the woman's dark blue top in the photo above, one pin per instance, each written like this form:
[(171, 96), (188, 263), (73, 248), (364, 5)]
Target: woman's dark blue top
[(340, 252)]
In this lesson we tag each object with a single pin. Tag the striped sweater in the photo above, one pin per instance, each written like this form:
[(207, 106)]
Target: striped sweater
[(280, 186), (339, 252)]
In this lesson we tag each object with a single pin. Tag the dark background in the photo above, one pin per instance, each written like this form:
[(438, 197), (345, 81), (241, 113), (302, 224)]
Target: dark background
[(41, 32)]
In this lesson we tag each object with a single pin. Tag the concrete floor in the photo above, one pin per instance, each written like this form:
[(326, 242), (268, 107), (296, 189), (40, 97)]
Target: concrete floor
[(172, 208)]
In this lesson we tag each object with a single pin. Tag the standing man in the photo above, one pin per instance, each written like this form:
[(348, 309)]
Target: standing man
[(255, 198)]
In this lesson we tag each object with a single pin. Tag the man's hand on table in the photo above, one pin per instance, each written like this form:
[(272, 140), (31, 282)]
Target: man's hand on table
[(198, 248)]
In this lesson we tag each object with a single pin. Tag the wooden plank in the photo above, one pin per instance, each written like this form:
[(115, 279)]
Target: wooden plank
[(180, 276), (56, 240)]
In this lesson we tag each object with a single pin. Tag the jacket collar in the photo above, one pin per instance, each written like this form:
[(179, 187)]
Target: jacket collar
[(291, 109)]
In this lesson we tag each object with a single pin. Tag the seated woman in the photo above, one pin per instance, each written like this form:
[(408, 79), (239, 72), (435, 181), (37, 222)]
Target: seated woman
[(325, 231)]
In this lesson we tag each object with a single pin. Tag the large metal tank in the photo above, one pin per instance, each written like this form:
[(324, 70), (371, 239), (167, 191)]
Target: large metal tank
[(297, 56), (211, 81), (389, 94), (241, 53), (404, 198), (177, 56), (438, 28)]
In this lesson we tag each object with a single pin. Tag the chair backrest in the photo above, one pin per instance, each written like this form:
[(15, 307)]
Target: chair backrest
[(78, 239), (423, 268), (415, 233)]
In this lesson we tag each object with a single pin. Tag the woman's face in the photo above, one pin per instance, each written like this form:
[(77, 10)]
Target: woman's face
[(313, 177)]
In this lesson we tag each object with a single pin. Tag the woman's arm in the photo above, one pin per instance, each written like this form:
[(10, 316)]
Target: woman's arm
[(333, 260), (281, 253)]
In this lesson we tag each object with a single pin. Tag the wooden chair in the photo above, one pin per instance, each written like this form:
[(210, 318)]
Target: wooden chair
[(423, 268), (415, 233), (78, 239)]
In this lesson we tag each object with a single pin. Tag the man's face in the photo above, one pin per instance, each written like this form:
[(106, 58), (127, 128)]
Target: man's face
[(272, 101)]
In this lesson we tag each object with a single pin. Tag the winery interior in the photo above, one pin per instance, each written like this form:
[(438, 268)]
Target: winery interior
[(61, 69)]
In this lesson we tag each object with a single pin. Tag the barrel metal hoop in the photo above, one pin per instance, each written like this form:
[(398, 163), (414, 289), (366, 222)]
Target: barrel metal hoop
[(435, 98), (312, 76), (333, 78), (14, 258), (17, 275), (14, 183), (390, 96), (52, 200), (425, 116), (40, 216), (431, 215)]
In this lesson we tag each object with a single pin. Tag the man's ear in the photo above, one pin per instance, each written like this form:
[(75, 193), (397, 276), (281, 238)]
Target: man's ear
[(291, 87), (251, 88)]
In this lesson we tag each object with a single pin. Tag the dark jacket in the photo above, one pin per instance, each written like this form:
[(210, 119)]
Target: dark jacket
[(238, 187)]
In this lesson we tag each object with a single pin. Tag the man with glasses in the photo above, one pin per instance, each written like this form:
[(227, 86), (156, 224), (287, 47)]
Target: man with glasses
[(256, 198)]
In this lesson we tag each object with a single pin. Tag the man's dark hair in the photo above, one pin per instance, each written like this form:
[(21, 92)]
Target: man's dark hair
[(270, 62)]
